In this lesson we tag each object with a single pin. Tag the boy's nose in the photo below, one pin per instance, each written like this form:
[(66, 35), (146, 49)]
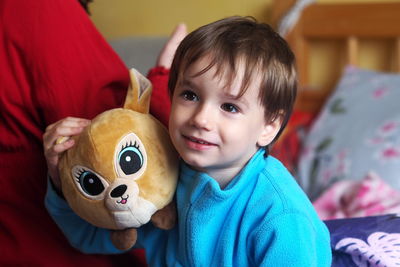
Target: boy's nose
[(203, 117)]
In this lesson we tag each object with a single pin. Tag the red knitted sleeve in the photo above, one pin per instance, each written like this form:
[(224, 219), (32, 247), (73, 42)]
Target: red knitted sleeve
[(160, 105)]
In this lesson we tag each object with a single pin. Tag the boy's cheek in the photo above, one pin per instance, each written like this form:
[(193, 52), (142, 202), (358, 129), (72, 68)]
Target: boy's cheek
[(177, 111)]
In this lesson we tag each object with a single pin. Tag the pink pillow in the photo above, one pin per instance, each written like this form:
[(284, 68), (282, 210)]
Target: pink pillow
[(367, 197)]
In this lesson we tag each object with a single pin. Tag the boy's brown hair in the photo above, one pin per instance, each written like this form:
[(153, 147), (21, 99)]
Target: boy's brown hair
[(233, 40)]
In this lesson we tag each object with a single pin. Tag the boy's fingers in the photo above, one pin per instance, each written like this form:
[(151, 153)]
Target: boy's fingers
[(168, 51)]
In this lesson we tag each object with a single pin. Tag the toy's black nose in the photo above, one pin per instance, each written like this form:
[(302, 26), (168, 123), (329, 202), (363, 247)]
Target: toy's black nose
[(118, 191)]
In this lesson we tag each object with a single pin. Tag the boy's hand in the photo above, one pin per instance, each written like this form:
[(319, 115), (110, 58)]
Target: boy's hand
[(56, 140), (167, 53)]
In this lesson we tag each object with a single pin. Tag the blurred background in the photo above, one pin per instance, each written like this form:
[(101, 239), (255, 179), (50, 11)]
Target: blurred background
[(137, 30), (122, 18)]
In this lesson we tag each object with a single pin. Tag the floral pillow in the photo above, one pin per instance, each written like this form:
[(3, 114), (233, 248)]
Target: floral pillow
[(357, 132)]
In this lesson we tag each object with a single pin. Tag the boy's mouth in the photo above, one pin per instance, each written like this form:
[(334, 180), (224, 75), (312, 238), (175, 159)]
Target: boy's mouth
[(197, 143)]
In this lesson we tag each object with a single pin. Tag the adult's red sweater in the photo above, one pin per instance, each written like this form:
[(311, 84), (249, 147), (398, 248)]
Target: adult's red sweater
[(53, 64)]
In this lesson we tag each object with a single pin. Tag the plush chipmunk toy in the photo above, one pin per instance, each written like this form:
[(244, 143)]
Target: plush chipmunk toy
[(123, 170)]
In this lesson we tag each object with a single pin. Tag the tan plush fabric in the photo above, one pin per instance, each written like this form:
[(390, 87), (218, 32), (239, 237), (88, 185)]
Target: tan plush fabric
[(99, 150)]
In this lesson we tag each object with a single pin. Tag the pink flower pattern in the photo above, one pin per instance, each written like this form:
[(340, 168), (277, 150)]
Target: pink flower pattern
[(367, 197), (385, 141), (390, 153), (363, 136), (380, 92)]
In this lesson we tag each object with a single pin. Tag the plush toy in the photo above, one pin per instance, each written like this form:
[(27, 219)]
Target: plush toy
[(123, 170)]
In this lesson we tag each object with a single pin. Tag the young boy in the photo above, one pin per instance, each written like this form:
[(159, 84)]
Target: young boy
[(233, 85)]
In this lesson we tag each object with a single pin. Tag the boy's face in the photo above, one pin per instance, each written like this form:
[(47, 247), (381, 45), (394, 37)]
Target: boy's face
[(211, 129)]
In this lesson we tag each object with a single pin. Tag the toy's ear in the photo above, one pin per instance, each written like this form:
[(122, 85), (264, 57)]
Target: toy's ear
[(139, 93)]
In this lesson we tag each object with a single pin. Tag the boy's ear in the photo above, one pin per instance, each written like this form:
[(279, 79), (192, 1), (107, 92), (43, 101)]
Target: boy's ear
[(269, 132)]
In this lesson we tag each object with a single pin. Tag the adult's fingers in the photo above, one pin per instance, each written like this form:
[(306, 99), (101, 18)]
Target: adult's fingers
[(68, 122), (65, 128)]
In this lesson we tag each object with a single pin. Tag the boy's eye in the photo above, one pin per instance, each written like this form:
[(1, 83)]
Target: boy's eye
[(189, 95), (229, 108)]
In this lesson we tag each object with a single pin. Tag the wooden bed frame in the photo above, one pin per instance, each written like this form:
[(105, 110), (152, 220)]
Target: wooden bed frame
[(348, 24)]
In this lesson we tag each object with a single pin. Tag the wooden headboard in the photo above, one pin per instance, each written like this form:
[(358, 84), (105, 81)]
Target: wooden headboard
[(347, 25)]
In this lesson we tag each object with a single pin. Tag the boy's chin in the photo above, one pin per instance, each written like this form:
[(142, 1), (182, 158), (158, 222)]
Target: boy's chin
[(195, 164)]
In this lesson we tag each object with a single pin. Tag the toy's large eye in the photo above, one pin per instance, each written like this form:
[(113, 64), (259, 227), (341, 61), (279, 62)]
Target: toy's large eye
[(89, 183), (130, 157)]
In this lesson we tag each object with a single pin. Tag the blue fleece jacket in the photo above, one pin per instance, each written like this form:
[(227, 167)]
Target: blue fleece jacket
[(262, 218)]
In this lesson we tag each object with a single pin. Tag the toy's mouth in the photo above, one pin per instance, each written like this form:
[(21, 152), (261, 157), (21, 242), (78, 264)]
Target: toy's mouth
[(123, 200)]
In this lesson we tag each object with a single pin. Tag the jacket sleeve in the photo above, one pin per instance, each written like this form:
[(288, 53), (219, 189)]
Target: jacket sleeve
[(160, 105), (80, 234), (290, 240)]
